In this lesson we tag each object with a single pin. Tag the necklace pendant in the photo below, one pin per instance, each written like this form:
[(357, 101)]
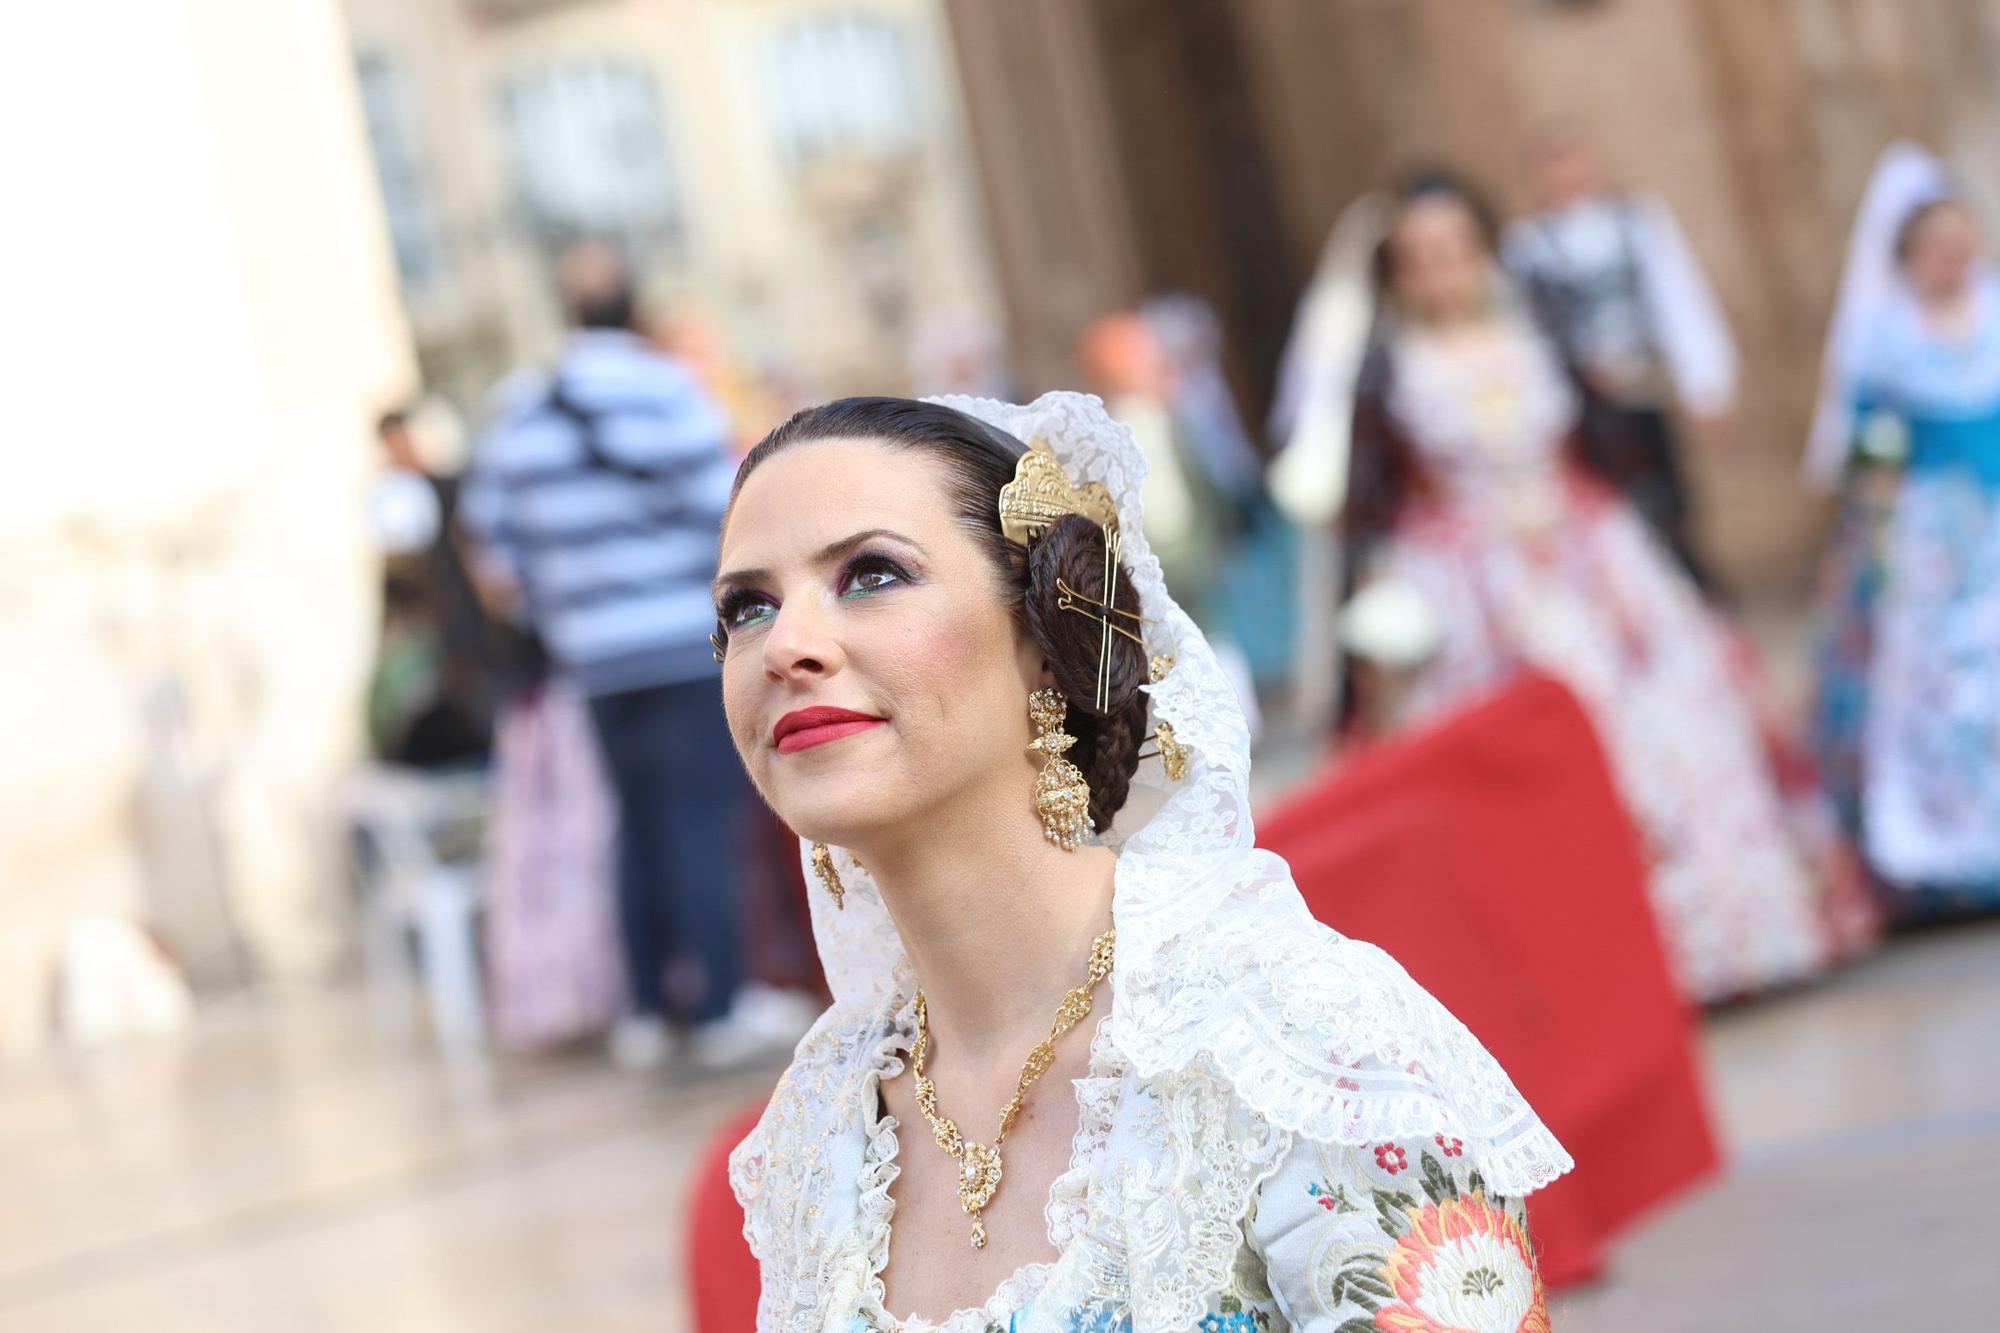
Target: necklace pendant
[(979, 1178), (978, 1232)]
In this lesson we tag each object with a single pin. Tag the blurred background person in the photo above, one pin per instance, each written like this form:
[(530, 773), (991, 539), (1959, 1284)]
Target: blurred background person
[(1471, 485), (596, 498), (1908, 708), (430, 699), (1123, 363), (1311, 427), (1254, 594), (1616, 283), (1192, 523)]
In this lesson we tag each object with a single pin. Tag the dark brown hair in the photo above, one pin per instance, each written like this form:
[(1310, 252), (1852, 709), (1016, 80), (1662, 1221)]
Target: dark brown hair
[(979, 459)]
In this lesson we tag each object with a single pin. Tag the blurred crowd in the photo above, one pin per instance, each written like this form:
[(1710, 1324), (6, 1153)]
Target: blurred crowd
[(1476, 470)]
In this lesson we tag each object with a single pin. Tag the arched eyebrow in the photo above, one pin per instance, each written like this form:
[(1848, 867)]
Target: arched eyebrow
[(826, 555)]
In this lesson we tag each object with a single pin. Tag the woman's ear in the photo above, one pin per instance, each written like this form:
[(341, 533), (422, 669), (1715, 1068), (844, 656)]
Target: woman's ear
[(1033, 664)]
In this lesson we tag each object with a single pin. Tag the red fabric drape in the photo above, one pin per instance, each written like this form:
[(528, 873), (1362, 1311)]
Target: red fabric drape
[(722, 1275), (1491, 856)]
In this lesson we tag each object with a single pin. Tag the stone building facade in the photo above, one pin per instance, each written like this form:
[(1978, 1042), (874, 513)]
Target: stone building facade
[(1209, 144), (792, 173)]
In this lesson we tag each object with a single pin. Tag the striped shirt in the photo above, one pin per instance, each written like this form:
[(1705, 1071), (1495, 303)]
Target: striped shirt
[(601, 491)]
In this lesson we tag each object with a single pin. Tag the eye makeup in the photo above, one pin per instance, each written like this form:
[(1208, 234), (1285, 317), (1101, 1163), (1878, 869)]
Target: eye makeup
[(871, 572), (866, 574)]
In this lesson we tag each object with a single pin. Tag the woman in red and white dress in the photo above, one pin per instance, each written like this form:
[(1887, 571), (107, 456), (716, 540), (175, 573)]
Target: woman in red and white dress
[(1470, 489)]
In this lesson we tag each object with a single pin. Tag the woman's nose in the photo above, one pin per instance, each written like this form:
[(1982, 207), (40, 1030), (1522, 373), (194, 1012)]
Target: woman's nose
[(801, 642)]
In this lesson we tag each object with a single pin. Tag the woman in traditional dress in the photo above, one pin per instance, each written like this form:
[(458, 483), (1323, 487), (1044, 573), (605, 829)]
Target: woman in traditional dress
[(1470, 489), (1908, 713), (1089, 1065)]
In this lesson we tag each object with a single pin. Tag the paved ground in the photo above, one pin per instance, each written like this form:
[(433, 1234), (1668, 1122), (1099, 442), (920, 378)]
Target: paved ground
[(1864, 1121), (286, 1170)]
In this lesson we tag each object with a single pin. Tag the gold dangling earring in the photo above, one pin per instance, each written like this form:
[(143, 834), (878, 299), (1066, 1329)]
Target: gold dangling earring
[(829, 877), (1062, 797)]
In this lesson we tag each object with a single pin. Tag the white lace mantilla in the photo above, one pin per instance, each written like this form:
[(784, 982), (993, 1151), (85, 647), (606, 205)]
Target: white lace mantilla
[(1243, 1023)]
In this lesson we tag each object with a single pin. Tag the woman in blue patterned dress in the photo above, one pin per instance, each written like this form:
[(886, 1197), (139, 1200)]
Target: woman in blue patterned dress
[(1909, 700)]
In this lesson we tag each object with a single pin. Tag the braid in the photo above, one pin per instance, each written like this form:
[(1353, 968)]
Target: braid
[(1113, 759), (1107, 750)]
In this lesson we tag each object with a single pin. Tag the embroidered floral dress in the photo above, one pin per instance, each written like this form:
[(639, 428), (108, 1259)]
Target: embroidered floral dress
[(1402, 1234), (1527, 564)]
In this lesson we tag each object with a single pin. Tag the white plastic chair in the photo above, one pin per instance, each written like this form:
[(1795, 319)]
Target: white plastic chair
[(417, 871)]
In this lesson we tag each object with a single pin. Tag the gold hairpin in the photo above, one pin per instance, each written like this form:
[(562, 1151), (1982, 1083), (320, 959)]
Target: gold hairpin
[(1069, 599), (1042, 492), (1173, 755), (1157, 669), (1112, 542)]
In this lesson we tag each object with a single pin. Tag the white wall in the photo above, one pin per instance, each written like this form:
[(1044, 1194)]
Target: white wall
[(200, 323)]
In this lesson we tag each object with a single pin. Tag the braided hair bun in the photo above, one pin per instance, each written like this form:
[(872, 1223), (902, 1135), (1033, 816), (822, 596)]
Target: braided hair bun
[(1071, 553)]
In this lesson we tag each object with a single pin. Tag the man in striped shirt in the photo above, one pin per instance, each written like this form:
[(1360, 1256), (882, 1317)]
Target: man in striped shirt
[(596, 500)]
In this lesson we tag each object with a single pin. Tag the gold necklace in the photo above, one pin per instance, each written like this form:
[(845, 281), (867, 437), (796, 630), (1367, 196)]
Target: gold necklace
[(979, 1179)]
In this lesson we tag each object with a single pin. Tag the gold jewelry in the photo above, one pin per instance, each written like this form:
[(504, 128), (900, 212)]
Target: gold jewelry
[(1083, 604), (1158, 669), (1173, 755), (829, 877), (1042, 492), (979, 1179), (1062, 797), (1069, 599)]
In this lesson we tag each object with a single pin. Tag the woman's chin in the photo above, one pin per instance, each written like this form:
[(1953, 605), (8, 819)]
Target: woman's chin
[(838, 816)]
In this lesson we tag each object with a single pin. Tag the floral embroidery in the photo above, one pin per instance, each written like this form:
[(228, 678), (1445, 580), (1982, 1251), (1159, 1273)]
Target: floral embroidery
[(1100, 1318), (1333, 1200), (1236, 1317), (1435, 1253), (1465, 1264)]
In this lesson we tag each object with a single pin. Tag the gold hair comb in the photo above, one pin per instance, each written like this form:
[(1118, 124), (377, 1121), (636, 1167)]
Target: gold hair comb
[(1042, 492)]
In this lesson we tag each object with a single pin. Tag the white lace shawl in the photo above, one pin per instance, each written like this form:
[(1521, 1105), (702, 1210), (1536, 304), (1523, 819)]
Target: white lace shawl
[(1245, 1021)]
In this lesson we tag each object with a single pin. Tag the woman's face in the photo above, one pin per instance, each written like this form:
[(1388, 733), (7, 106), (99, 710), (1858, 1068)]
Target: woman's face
[(1442, 271), (874, 677), (1943, 252)]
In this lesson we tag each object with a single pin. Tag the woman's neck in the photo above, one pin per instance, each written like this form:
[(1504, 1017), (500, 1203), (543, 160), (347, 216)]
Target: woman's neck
[(1460, 334), (1470, 315), (1951, 312), (998, 923)]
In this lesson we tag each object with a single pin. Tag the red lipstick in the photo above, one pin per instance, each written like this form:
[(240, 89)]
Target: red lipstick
[(807, 727)]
